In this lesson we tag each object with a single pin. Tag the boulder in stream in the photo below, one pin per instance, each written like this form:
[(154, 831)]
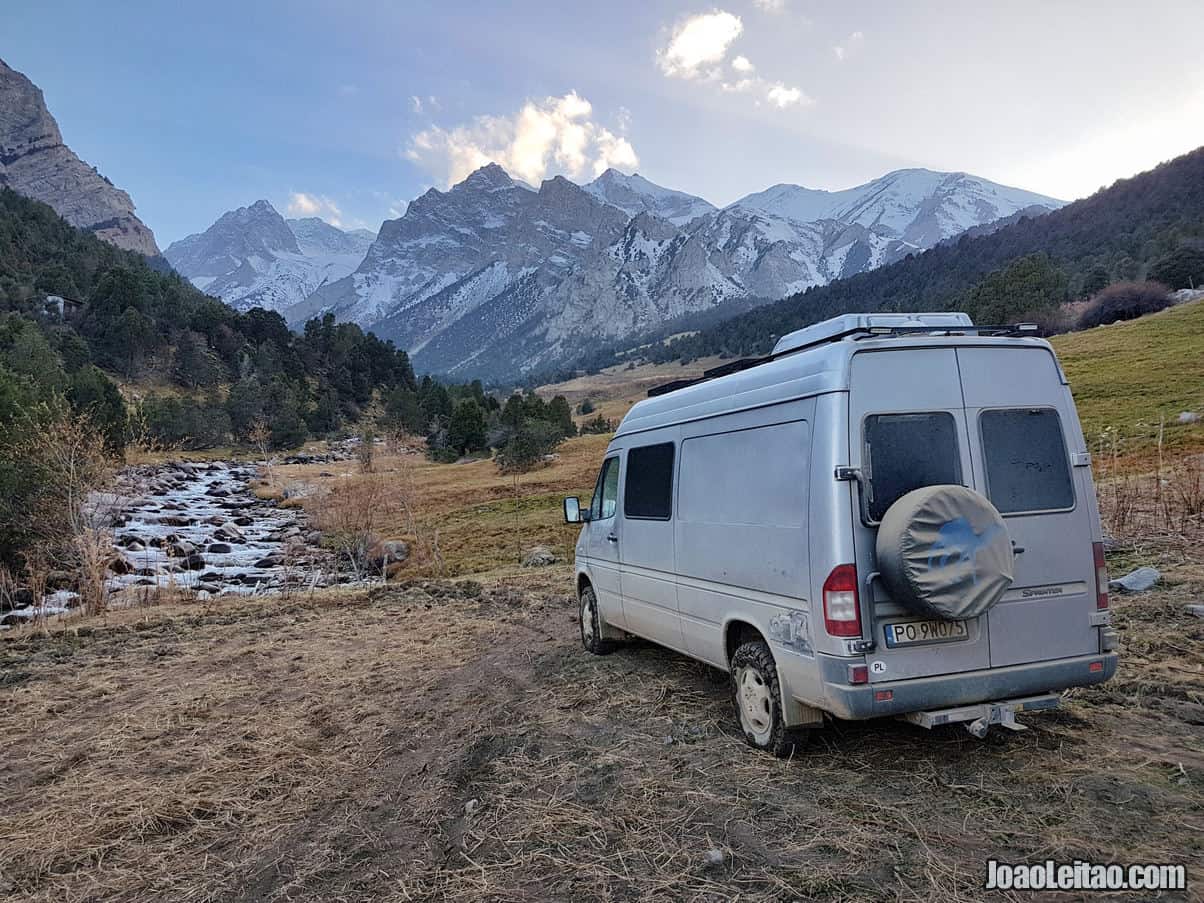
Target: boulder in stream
[(193, 562)]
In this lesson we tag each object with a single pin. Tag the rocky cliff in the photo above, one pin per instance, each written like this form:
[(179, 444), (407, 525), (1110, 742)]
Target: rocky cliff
[(35, 162)]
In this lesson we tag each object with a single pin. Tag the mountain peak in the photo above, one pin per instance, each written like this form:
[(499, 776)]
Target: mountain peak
[(491, 176), (918, 206), (634, 194), (253, 257), (34, 162)]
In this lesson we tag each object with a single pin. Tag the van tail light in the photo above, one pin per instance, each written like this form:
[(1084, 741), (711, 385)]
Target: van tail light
[(842, 613), (1101, 576)]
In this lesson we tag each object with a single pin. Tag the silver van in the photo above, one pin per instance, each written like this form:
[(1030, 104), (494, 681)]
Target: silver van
[(889, 515)]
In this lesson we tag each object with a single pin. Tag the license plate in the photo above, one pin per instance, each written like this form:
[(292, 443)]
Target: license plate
[(914, 633)]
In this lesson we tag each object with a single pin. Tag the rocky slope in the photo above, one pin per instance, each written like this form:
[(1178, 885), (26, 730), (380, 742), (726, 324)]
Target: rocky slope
[(253, 257), (492, 278), (35, 162)]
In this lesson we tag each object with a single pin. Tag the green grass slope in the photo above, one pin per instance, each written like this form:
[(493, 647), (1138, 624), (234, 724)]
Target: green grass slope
[(1126, 377)]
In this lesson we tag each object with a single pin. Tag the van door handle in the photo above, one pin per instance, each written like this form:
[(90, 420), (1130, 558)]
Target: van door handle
[(1017, 550), (612, 538)]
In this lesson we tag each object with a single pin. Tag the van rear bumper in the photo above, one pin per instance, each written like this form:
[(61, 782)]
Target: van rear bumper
[(968, 687)]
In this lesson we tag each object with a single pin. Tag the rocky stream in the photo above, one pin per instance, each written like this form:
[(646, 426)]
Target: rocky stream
[(197, 527)]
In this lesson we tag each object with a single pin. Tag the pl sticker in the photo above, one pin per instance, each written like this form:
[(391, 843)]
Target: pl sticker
[(878, 667)]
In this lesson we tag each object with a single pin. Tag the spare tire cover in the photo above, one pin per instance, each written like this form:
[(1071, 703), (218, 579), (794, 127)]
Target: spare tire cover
[(944, 551)]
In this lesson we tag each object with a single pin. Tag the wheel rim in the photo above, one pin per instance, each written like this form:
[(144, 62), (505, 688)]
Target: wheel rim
[(587, 618), (755, 702)]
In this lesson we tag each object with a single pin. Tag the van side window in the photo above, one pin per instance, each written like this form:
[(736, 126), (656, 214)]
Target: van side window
[(649, 492), (908, 451), (1026, 463), (606, 492)]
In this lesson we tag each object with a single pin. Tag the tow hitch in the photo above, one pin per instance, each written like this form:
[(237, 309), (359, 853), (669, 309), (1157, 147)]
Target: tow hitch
[(979, 718)]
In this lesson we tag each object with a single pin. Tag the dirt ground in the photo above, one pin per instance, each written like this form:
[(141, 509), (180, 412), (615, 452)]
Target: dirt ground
[(451, 741)]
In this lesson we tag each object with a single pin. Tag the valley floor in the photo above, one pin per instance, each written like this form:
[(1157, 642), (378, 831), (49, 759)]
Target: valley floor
[(444, 737), (451, 741)]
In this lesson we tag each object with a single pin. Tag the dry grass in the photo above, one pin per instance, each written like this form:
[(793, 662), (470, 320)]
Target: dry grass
[(616, 389), (440, 742), (470, 518)]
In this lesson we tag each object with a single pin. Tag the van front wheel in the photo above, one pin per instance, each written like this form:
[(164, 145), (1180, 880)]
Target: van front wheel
[(591, 625), (758, 699)]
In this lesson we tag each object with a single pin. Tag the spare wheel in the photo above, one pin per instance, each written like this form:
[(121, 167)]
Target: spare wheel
[(944, 551)]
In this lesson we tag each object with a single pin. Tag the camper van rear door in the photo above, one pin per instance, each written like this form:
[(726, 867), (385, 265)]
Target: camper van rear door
[(1023, 433), (907, 429)]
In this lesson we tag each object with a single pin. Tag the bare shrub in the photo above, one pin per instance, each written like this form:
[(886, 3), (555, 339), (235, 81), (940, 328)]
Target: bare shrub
[(260, 436), (141, 441), (352, 513), (366, 449), (1125, 301), (69, 466), (8, 589), (1167, 502), (1185, 492)]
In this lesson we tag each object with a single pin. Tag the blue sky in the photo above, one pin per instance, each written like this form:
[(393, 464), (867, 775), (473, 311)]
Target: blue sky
[(349, 110)]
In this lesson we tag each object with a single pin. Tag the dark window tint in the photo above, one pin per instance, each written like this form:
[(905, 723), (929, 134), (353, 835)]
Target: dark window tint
[(1025, 456), (606, 491), (649, 491), (905, 452)]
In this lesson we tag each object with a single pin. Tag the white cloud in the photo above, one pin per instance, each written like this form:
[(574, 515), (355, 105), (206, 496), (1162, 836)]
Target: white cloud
[(697, 42), (302, 204), (782, 96), (852, 43), (774, 93), (416, 103), (699, 46), (770, 6), (556, 134)]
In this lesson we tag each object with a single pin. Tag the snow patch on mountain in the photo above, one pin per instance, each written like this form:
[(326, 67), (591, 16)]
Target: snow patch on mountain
[(634, 195)]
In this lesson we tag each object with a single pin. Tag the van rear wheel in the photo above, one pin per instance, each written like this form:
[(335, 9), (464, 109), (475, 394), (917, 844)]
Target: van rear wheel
[(591, 625), (758, 699)]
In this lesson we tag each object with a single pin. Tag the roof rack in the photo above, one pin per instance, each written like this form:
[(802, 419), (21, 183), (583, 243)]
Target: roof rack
[(853, 326), (744, 363)]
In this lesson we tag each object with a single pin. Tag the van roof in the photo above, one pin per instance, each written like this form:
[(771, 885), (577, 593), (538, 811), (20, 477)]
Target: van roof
[(815, 361)]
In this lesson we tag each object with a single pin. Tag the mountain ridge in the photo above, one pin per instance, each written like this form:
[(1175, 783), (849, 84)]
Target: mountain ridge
[(492, 277)]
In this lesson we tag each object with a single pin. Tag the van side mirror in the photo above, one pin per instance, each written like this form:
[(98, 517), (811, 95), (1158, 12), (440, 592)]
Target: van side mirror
[(572, 511)]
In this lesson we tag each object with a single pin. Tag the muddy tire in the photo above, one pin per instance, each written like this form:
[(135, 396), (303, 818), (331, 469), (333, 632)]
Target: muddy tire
[(591, 626), (758, 700)]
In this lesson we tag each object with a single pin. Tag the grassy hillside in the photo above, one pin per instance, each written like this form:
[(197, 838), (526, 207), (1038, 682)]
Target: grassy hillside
[(1127, 376), (1124, 377)]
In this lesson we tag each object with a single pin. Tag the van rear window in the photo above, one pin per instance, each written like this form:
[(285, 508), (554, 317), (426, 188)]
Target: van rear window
[(905, 452), (1026, 462), (649, 491)]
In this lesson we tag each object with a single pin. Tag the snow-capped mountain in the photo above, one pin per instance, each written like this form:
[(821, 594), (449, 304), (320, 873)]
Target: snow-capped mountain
[(634, 194), (253, 257), (453, 251), (36, 163), (917, 206), (316, 237), (493, 278)]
